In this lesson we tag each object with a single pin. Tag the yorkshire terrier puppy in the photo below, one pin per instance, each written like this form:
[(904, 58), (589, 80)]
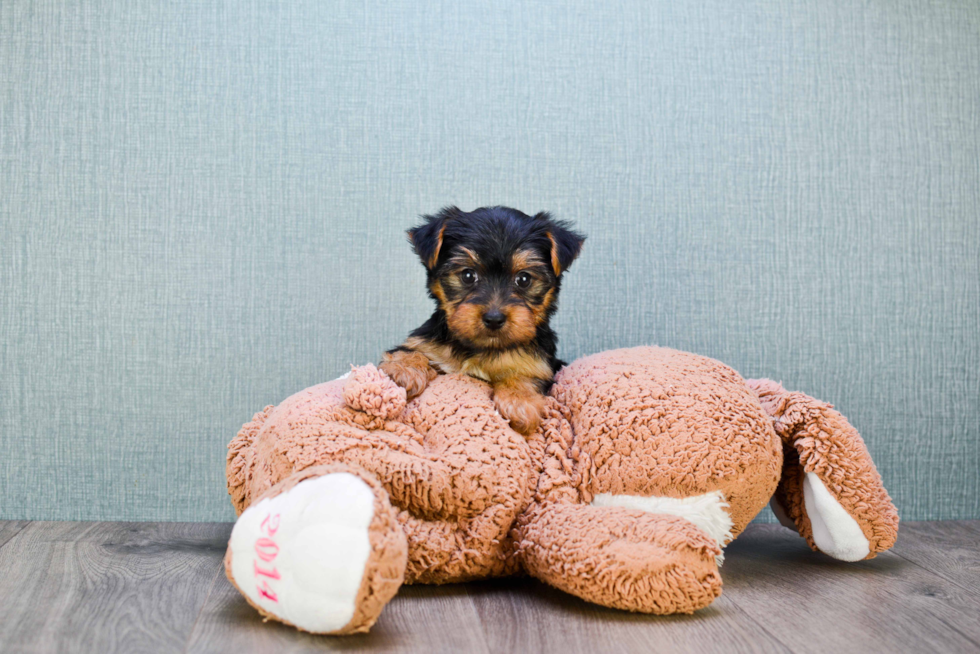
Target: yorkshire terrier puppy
[(495, 274)]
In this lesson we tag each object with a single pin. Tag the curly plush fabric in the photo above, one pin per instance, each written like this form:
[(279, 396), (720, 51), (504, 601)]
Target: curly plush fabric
[(648, 461), (636, 424), (369, 390), (818, 439), (622, 558), (451, 465), (657, 422)]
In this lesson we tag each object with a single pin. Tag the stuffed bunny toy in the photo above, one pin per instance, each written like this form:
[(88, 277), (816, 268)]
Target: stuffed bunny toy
[(647, 463)]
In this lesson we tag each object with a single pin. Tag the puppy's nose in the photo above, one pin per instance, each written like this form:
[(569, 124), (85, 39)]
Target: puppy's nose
[(494, 319)]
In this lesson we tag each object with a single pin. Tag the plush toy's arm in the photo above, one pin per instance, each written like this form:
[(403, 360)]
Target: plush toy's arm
[(454, 482), (623, 558), (830, 490), (613, 556), (428, 488)]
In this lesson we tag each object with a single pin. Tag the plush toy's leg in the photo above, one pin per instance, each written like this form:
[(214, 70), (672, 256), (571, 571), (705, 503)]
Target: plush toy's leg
[(830, 491), (622, 558), (321, 550)]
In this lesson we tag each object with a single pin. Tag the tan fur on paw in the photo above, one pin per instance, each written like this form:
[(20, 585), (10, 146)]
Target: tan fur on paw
[(520, 403), (410, 370)]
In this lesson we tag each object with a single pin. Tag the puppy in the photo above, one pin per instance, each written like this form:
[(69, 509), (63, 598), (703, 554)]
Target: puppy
[(494, 274)]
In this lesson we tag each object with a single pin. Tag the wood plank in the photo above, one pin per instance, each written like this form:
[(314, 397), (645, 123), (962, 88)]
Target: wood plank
[(106, 587), (814, 603), (115, 587), (948, 549), (766, 568), (517, 614), (418, 619), (525, 615), (9, 529)]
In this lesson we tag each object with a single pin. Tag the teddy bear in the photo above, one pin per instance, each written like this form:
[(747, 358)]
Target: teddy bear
[(648, 462)]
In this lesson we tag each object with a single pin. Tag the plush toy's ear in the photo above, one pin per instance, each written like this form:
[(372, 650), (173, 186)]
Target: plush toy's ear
[(565, 243), (427, 237)]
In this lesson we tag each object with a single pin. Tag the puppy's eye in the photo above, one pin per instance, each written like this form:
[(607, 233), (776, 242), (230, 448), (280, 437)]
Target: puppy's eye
[(468, 276), (523, 280)]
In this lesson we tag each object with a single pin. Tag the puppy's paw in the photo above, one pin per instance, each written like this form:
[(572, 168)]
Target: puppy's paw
[(410, 370), (523, 407)]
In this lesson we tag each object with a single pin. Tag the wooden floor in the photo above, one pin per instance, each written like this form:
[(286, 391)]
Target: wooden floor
[(159, 587)]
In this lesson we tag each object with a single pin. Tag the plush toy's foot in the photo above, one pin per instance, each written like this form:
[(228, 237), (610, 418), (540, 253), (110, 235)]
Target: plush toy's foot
[(321, 551), (831, 528), (622, 558), (830, 491)]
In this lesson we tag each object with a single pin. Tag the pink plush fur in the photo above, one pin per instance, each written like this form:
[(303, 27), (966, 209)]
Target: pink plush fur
[(596, 502)]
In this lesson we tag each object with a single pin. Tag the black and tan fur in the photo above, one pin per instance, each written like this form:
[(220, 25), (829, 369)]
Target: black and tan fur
[(494, 274)]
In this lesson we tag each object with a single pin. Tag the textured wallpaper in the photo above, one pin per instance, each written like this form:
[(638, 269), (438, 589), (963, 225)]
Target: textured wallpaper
[(202, 208)]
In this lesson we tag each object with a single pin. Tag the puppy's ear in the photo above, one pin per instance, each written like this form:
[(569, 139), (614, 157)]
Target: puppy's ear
[(426, 238), (566, 243)]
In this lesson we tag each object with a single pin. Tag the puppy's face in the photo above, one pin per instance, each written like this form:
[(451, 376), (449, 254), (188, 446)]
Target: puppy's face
[(496, 300), (495, 272)]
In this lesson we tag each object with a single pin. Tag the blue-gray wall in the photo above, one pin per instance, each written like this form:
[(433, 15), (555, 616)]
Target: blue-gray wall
[(202, 210)]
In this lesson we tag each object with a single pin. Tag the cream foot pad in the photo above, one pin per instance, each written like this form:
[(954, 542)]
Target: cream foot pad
[(835, 532), (301, 555)]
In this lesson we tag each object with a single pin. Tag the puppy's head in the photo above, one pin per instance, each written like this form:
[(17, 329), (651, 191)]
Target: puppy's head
[(495, 272)]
